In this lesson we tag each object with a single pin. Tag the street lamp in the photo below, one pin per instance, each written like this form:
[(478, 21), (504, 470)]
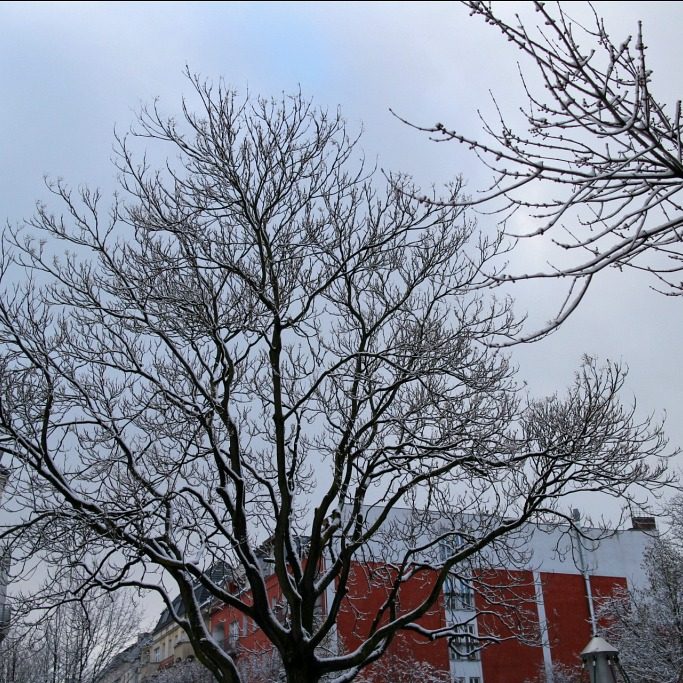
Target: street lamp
[(602, 661)]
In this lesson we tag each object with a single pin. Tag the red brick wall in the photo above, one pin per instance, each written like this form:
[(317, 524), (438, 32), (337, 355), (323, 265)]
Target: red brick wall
[(606, 587), (510, 610), (368, 587), (251, 639), (566, 609), (514, 609)]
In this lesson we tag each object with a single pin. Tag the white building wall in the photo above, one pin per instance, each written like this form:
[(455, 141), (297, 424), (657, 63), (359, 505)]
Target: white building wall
[(618, 554)]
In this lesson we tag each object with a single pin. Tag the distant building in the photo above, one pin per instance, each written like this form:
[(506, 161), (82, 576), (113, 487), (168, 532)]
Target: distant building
[(126, 666), (517, 624), (168, 643)]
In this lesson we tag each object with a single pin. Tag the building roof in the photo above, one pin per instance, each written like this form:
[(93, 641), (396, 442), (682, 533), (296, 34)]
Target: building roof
[(219, 572), (126, 656)]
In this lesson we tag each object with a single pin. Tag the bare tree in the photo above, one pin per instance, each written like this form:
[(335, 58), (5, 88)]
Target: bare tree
[(251, 360), (596, 173), (646, 624), (188, 672), (71, 643), (261, 666), (559, 673), (400, 666), (20, 662)]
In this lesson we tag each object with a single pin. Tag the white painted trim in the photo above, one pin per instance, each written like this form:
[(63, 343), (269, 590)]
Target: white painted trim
[(543, 627)]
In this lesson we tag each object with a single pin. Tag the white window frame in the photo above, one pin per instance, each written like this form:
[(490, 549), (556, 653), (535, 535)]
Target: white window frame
[(449, 545), (458, 594), (464, 645), (234, 633)]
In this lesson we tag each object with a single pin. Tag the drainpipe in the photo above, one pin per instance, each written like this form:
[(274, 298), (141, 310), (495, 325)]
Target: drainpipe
[(583, 567)]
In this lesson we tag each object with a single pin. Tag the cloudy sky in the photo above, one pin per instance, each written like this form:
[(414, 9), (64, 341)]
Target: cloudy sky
[(73, 72)]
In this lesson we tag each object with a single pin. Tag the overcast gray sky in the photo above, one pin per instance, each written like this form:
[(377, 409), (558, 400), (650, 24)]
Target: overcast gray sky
[(71, 72)]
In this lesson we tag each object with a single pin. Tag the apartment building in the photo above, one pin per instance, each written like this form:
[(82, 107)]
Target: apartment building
[(515, 624)]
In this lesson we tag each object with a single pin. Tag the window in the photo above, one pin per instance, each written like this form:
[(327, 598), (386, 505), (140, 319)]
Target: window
[(474, 679), (459, 679), (458, 594), (281, 610), (157, 654), (464, 645), (218, 631), (234, 634), (450, 545), (320, 606)]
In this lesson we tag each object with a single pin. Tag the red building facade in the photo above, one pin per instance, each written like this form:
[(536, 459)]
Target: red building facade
[(516, 625)]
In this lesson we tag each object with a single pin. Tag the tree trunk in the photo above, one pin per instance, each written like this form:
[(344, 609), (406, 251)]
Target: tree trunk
[(301, 672)]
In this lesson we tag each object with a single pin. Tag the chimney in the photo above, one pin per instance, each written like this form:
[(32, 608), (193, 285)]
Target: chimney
[(643, 524)]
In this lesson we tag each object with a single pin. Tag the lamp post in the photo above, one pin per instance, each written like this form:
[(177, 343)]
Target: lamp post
[(602, 661)]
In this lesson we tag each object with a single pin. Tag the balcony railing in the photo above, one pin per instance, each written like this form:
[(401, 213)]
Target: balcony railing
[(166, 662)]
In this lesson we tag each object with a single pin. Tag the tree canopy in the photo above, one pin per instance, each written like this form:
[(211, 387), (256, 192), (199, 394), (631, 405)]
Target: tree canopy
[(593, 172), (259, 346)]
